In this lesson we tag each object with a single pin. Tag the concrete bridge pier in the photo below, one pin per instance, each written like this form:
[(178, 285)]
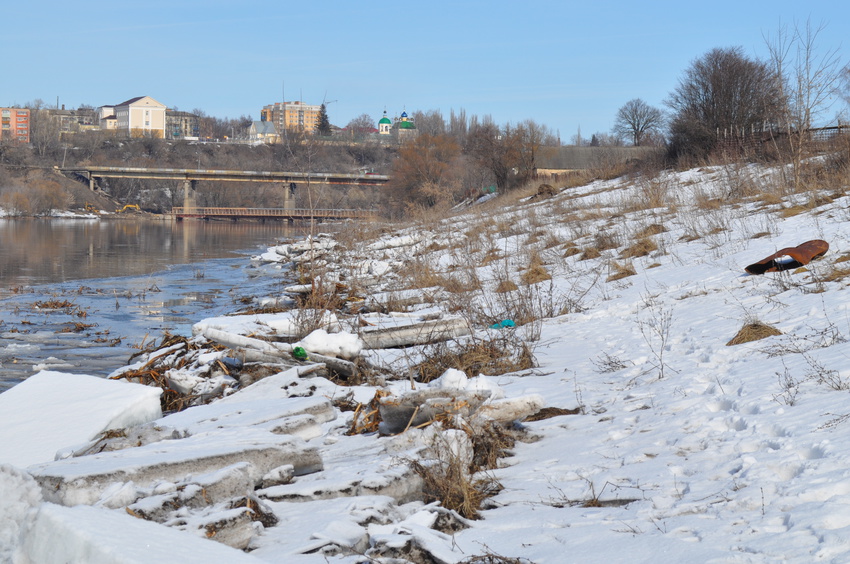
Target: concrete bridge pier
[(289, 195), (92, 181), (189, 199)]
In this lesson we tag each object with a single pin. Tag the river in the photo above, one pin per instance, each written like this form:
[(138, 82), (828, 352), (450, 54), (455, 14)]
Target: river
[(82, 295)]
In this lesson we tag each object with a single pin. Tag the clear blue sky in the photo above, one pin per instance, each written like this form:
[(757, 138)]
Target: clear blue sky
[(564, 64)]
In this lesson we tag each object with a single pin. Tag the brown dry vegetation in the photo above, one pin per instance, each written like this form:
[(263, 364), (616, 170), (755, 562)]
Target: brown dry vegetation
[(477, 357), (640, 248), (535, 271), (753, 331), (620, 271)]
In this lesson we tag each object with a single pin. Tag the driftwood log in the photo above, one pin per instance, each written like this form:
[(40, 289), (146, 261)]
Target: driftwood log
[(419, 333)]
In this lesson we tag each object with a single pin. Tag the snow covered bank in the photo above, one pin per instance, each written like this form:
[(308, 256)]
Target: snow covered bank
[(642, 434)]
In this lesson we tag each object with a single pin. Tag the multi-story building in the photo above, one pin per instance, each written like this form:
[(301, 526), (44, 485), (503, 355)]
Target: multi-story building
[(137, 117), (292, 116), (181, 125), (73, 121), (15, 124)]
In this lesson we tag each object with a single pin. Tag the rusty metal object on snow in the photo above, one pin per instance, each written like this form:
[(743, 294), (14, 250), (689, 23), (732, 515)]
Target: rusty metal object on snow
[(797, 256)]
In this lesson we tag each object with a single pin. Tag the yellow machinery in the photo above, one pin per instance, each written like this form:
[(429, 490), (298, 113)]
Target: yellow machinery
[(129, 207)]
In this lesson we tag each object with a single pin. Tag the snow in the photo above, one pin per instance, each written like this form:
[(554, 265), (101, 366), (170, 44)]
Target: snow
[(282, 324), (53, 410), (342, 345), (86, 534), (678, 447)]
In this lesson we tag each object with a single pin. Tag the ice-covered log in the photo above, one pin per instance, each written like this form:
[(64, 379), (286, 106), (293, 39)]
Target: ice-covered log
[(236, 341), (419, 333), (512, 409), (421, 406)]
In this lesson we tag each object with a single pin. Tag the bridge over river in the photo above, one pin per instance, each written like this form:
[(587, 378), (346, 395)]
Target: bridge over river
[(94, 173), (190, 177)]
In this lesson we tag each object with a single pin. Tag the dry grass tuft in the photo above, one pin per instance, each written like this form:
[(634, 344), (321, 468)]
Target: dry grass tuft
[(536, 271), (754, 331), (706, 203), (460, 284), (843, 258), (460, 483), (419, 274), (604, 241), (791, 211), (449, 483), (449, 480), (835, 273), (570, 250), (652, 229), (770, 199), (491, 255), (552, 240), (490, 442), (620, 271), (478, 357), (640, 248), (590, 253), (546, 190), (506, 286)]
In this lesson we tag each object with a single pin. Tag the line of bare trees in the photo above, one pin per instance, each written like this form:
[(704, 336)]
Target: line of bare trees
[(452, 160), (725, 90)]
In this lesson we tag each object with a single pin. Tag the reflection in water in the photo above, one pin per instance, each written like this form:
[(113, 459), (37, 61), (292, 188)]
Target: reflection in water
[(126, 282), (38, 251)]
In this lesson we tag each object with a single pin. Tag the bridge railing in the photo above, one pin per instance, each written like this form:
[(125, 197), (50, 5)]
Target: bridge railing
[(274, 212)]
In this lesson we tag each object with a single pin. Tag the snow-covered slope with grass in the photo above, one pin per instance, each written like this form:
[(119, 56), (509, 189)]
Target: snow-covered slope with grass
[(667, 443)]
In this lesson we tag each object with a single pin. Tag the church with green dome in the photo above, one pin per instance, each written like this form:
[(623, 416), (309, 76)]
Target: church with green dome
[(385, 125), (402, 127)]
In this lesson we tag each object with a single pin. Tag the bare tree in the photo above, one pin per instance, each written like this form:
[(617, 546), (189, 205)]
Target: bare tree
[(424, 175), (361, 126), (808, 82), (430, 122), (845, 79), (637, 120), (722, 91), (496, 149), (532, 136), (458, 125), (600, 139), (44, 130)]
